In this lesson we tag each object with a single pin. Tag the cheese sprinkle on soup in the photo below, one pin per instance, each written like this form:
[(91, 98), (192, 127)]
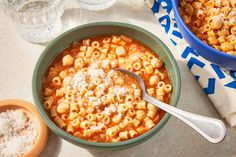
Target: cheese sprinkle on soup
[(85, 97)]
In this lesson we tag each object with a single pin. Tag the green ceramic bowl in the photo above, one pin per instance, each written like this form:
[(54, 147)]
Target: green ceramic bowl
[(97, 29)]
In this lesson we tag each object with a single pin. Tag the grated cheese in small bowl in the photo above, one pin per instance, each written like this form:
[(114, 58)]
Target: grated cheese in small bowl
[(18, 133)]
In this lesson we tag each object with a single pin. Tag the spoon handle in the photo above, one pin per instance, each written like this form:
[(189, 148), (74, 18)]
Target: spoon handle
[(212, 129)]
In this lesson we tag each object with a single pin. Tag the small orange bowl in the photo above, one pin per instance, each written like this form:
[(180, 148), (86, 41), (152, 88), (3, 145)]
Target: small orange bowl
[(32, 113)]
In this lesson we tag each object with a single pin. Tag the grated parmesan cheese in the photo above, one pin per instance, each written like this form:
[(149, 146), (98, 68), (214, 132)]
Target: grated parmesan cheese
[(88, 93), (18, 133), (94, 73), (97, 127), (95, 101), (110, 109), (135, 56), (107, 111), (232, 21), (79, 81), (120, 90), (119, 114)]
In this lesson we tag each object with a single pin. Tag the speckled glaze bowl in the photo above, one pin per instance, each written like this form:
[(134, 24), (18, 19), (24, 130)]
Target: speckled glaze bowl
[(98, 29)]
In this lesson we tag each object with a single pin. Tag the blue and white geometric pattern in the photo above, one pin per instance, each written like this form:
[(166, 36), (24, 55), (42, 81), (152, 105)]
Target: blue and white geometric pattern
[(219, 85)]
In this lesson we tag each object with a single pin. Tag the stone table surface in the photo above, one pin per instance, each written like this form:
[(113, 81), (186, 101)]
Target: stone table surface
[(175, 139)]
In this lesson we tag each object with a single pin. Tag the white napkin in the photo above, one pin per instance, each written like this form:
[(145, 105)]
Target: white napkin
[(218, 84)]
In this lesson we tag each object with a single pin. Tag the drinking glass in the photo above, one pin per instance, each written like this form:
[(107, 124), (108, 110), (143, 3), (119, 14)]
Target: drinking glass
[(96, 4), (37, 21)]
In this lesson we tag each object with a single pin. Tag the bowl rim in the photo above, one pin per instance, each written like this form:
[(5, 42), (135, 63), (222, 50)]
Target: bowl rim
[(85, 143), (177, 16)]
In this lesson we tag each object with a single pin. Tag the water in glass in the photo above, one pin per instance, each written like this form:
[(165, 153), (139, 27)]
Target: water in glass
[(36, 21)]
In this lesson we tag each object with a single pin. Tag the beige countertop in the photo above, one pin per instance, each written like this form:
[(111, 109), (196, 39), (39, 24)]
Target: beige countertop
[(17, 60)]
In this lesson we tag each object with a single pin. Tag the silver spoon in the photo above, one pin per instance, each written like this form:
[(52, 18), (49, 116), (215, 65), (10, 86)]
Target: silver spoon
[(212, 129)]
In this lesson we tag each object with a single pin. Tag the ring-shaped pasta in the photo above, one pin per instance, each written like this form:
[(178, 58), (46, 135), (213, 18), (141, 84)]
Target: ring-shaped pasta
[(160, 84), (95, 44)]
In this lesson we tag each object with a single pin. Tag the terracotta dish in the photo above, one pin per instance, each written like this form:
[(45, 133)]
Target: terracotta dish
[(32, 113)]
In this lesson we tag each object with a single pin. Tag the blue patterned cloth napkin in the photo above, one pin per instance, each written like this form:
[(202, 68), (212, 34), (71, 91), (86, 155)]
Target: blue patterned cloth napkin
[(219, 85)]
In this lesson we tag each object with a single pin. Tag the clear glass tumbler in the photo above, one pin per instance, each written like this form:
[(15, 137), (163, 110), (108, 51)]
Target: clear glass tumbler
[(37, 21), (96, 4)]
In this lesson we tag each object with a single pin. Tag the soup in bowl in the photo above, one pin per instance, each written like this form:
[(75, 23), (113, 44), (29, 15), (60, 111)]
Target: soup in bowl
[(84, 100)]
